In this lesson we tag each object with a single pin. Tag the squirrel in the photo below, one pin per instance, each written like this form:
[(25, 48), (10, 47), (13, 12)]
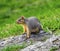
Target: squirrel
[(30, 25)]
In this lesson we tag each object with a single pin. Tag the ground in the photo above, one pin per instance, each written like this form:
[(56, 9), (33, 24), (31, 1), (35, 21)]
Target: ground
[(41, 42)]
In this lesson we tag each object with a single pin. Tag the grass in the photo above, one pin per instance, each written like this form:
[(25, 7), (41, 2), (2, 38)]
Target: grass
[(53, 48), (13, 48), (47, 11), (10, 30), (16, 47)]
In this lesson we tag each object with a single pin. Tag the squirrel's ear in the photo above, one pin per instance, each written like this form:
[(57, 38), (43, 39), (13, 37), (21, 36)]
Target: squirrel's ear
[(22, 17)]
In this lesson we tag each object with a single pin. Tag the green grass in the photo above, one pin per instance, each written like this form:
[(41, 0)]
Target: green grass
[(16, 47), (53, 48), (47, 11), (13, 48)]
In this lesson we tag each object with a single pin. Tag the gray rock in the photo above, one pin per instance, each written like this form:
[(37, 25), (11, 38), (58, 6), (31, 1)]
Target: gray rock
[(44, 46), (37, 41)]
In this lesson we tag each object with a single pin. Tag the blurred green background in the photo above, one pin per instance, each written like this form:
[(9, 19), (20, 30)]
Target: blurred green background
[(47, 11)]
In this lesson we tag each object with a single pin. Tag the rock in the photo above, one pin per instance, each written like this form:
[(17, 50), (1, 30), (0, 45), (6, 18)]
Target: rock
[(45, 46), (36, 42)]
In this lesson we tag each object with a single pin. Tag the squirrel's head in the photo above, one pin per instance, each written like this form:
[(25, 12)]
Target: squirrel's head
[(21, 20)]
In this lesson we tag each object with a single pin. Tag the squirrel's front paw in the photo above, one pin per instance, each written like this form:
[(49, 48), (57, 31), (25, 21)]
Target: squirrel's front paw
[(27, 37)]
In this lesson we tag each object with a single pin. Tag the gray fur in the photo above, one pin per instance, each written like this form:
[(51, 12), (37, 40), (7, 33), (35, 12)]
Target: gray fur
[(33, 23)]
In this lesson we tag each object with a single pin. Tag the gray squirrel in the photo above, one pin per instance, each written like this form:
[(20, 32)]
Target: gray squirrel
[(30, 25)]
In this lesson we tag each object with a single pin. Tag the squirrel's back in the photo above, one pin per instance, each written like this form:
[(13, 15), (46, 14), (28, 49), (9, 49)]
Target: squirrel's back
[(33, 23)]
